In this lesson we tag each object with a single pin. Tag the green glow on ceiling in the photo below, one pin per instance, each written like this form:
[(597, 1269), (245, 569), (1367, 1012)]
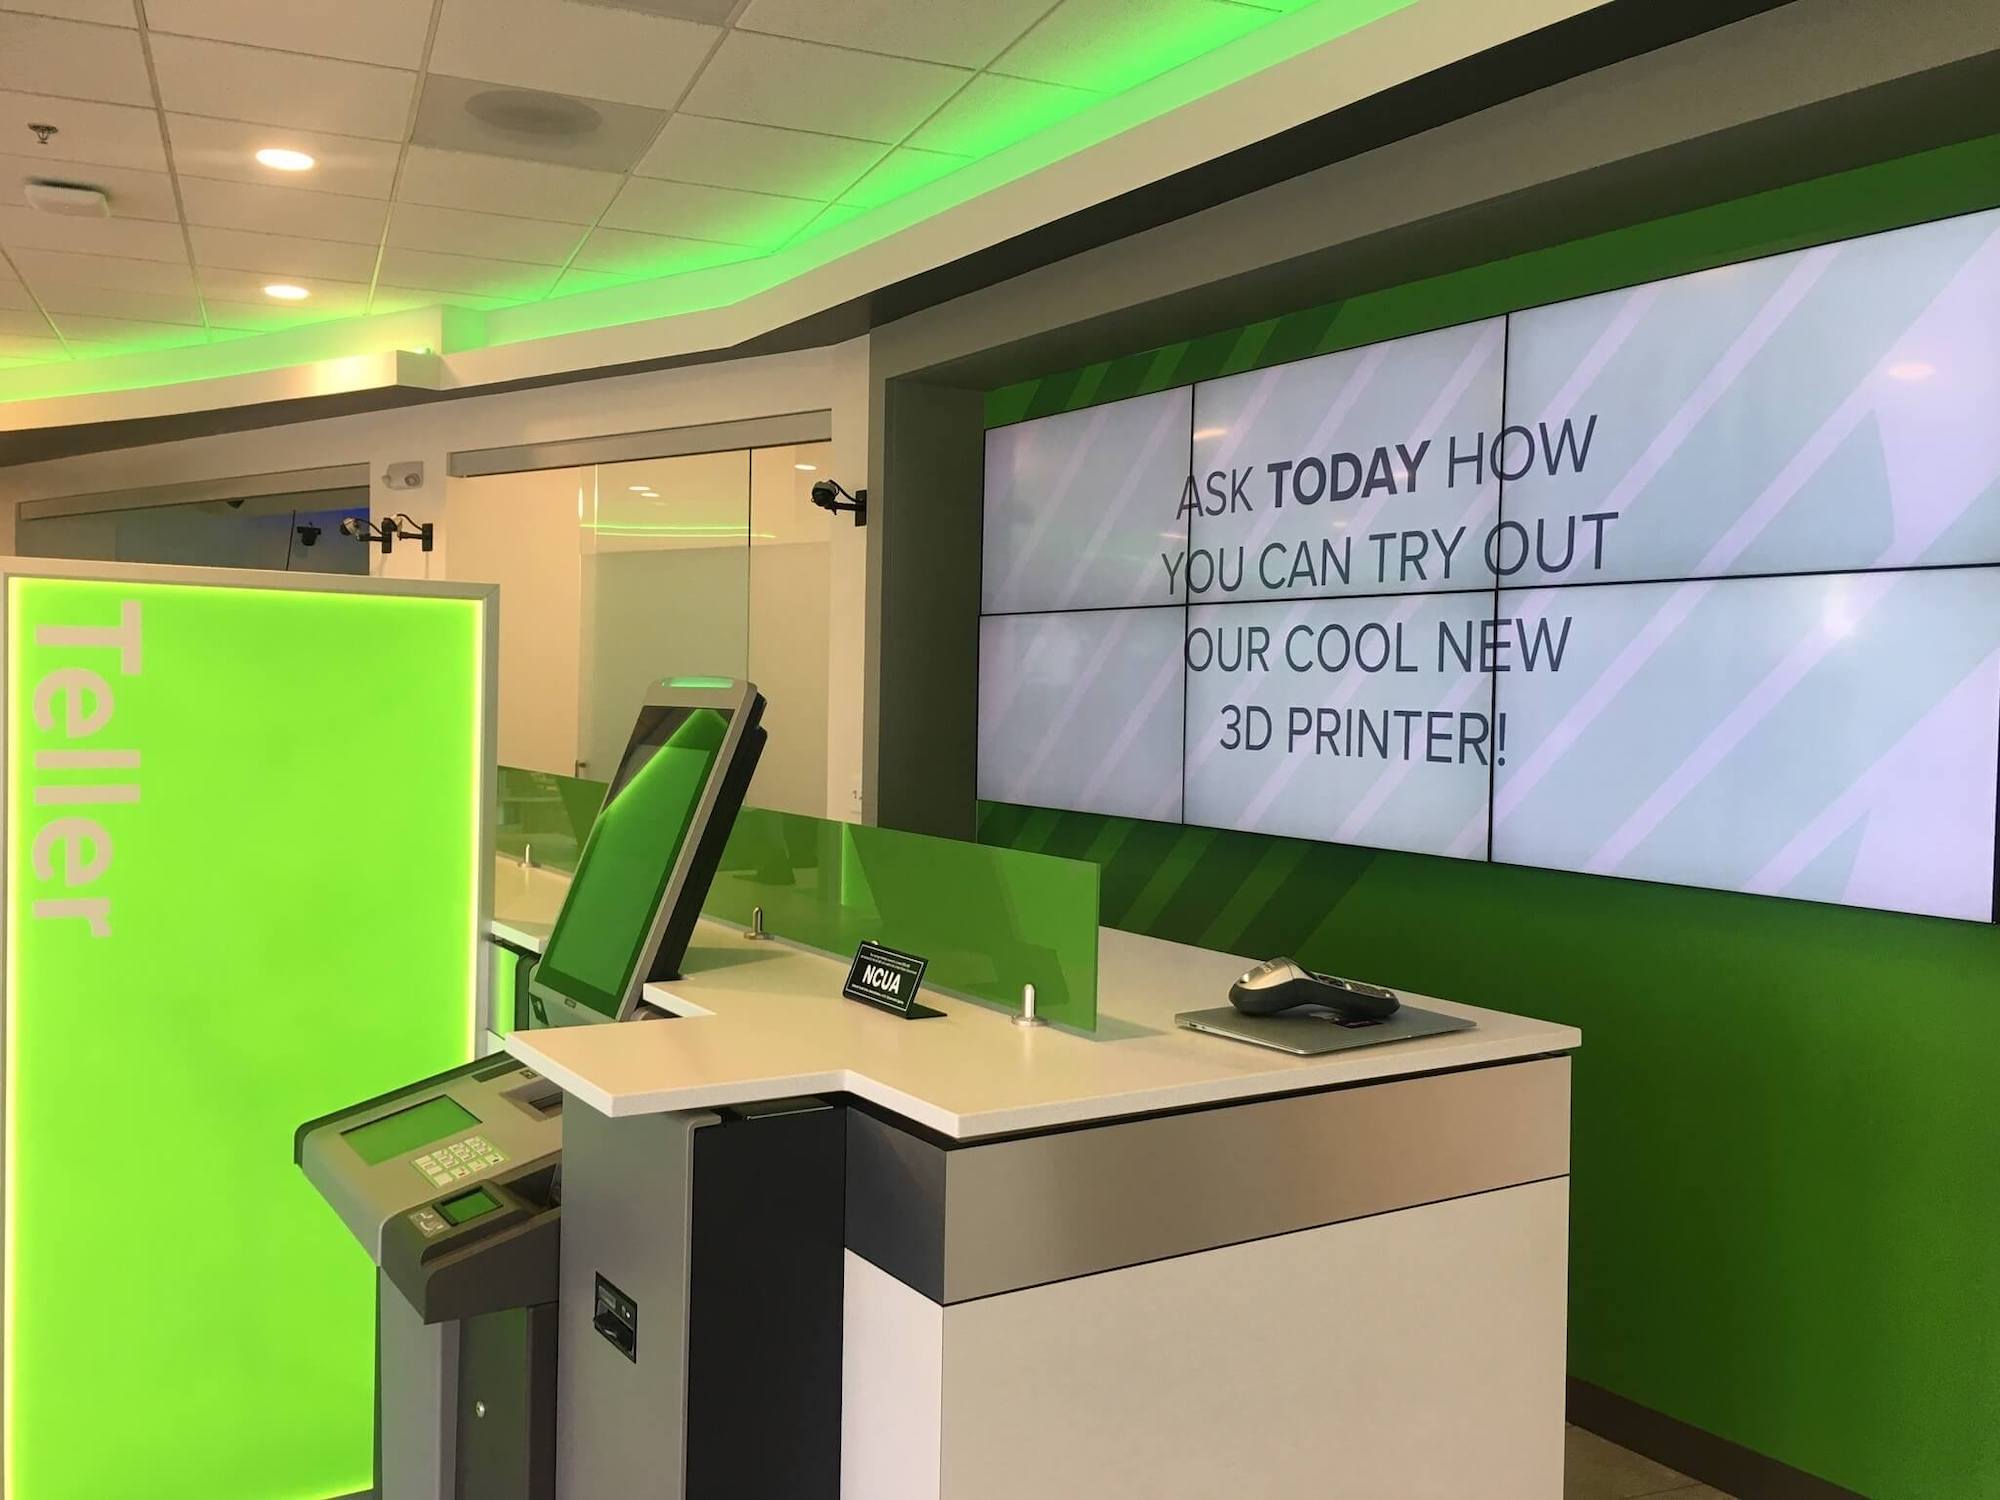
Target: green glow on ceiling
[(1098, 75)]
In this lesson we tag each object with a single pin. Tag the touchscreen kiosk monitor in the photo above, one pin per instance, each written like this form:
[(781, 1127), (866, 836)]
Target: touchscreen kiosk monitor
[(646, 867)]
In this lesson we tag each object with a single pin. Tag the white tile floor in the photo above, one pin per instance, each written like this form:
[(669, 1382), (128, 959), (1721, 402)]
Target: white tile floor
[(1600, 1470)]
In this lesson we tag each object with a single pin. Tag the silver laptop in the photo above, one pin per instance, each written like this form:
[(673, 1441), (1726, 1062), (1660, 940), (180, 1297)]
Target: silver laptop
[(1311, 1031)]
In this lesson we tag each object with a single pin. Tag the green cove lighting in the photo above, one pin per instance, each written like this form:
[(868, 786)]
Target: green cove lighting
[(1075, 79), (243, 876)]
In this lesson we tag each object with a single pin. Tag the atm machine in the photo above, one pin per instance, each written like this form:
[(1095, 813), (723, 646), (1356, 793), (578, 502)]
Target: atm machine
[(634, 1362)]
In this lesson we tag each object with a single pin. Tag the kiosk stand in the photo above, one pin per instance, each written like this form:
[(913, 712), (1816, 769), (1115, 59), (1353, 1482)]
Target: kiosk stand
[(512, 1366)]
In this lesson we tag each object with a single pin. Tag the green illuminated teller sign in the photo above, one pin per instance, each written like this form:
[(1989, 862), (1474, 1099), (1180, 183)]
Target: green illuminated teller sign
[(244, 873), (78, 780)]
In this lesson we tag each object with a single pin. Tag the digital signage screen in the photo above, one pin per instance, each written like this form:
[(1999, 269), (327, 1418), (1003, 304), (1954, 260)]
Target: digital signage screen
[(1696, 581)]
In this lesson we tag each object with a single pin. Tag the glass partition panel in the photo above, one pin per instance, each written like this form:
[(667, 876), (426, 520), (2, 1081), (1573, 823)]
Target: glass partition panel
[(790, 560), (666, 587), (988, 920), (614, 576), (520, 531), (544, 818), (297, 533)]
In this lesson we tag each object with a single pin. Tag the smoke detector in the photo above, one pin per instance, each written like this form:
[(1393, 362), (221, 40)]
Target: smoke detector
[(67, 198)]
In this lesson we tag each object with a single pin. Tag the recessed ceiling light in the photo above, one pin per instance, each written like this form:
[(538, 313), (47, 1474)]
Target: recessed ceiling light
[(807, 468), (282, 160), (284, 291), (639, 489)]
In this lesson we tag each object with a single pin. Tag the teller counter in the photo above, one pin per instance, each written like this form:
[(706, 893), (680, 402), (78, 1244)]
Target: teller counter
[(1141, 1264)]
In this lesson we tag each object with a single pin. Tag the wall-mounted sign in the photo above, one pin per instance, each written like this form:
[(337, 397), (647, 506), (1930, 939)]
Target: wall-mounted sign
[(1695, 582)]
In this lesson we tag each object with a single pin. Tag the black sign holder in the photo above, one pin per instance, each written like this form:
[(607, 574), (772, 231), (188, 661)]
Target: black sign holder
[(888, 980)]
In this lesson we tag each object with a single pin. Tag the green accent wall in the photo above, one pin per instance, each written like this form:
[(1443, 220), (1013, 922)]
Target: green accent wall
[(1786, 1189)]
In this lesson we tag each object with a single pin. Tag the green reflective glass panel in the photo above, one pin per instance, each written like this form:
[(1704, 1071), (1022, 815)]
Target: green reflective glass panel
[(989, 920), (407, 1129), (283, 799), (545, 816)]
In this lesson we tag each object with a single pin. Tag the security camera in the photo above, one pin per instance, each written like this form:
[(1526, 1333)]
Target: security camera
[(355, 527), (308, 533), (826, 495), (405, 476)]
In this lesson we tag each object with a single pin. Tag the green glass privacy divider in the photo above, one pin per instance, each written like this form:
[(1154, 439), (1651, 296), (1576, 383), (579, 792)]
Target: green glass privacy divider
[(246, 866), (989, 920), (544, 817)]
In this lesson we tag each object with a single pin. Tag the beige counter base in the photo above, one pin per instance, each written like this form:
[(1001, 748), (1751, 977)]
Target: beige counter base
[(1415, 1355)]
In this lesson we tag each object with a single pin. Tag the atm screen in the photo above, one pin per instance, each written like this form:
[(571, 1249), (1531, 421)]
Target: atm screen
[(599, 940), (407, 1129)]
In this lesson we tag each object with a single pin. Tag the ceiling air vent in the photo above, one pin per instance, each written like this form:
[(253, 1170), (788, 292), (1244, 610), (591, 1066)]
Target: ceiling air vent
[(466, 114), (70, 198)]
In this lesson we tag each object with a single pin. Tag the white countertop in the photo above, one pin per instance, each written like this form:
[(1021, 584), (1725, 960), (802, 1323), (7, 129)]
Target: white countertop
[(767, 1021)]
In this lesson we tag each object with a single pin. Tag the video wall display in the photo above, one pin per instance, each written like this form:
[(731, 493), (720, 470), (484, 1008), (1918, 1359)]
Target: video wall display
[(1696, 582)]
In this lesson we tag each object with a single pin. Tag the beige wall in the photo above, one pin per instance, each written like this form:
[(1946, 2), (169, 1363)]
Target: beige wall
[(819, 573)]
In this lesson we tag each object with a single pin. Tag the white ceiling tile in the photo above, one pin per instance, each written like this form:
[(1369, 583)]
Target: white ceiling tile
[(594, 51), (831, 217), (331, 300), (465, 273), (708, 213), (901, 171), (111, 135), (282, 88), (133, 194), (497, 184), (44, 270), (761, 158), (142, 239), (993, 111), (111, 302), (128, 331), (419, 226), (72, 60), (104, 12), (279, 210), (231, 284), (401, 298), (23, 346), (770, 80), (371, 31), (281, 257), (624, 254), (227, 149), (24, 320), (970, 33), (1114, 44), (715, 12), (576, 279)]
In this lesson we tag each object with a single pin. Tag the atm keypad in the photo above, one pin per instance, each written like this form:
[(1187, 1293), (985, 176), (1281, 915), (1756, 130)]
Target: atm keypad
[(456, 1161)]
